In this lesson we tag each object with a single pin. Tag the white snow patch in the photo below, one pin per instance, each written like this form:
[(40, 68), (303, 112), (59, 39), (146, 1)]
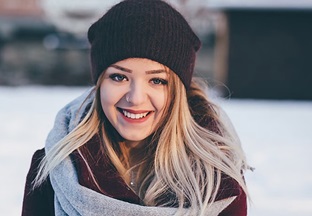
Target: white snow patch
[(276, 136)]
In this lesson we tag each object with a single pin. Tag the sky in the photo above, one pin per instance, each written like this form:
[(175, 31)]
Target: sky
[(265, 3), (276, 136)]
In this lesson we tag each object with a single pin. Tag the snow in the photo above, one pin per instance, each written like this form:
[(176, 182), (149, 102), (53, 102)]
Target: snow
[(276, 136)]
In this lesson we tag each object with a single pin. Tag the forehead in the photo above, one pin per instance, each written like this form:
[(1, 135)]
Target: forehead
[(140, 64)]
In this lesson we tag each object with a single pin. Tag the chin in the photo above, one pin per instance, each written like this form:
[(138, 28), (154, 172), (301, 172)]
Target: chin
[(134, 139)]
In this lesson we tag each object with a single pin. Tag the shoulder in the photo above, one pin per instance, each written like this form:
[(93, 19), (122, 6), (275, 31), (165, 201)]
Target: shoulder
[(35, 162), (37, 157), (237, 207), (38, 201), (229, 188)]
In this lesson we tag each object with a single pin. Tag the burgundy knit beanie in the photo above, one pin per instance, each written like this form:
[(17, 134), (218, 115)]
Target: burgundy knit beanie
[(149, 29)]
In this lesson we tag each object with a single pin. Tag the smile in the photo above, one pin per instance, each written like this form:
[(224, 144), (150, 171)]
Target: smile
[(131, 115)]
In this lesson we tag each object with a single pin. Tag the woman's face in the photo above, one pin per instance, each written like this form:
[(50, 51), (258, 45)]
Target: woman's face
[(133, 97)]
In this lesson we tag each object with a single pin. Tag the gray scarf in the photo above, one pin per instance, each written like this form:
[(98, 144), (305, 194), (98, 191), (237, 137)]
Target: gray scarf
[(73, 199)]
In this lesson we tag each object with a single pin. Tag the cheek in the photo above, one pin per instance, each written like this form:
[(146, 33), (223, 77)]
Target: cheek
[(160, 101), (107, 98), (110, 96), (104, 96)]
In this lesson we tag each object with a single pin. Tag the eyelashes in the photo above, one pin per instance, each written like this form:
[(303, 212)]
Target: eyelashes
[(159, 81), (118, 77), (121, 78)]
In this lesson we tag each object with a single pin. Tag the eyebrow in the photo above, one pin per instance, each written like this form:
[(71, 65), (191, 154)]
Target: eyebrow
[(156, 71), (121, 68), (130, 71)]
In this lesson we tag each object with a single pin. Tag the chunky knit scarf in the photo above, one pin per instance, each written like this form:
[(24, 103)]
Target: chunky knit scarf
[(73, 199)]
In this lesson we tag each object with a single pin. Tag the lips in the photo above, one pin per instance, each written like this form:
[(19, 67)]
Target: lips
[(134, 114)]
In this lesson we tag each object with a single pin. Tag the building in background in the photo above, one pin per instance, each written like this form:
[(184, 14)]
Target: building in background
[(20, 8), (34, 51), (19, 15), (251, 49), (44, 42), (265, 52)]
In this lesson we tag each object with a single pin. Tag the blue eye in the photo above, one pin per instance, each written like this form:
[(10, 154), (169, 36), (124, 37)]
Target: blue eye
[(118, 77), (159, 81)]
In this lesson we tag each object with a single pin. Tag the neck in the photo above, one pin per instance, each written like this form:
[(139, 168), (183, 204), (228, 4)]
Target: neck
[(132, 144), (135, 154)]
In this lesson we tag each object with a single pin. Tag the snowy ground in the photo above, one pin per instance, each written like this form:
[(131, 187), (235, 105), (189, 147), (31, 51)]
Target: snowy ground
[(276, 136)]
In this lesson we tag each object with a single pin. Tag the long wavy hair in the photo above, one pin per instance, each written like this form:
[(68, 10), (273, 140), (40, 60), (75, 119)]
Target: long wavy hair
[(185, 157)]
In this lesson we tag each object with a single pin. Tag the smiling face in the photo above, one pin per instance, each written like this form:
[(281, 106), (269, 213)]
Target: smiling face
[(133, 96)]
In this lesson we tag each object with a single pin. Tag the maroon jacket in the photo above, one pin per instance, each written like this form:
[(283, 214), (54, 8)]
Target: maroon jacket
[(40, 201)]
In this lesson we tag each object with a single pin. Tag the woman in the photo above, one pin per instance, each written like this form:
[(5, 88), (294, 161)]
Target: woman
[(145, 140)]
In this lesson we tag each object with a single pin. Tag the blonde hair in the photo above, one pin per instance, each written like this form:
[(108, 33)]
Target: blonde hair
[(185, 157)]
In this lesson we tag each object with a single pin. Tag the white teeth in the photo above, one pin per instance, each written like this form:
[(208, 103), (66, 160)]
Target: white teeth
[(134, 116)]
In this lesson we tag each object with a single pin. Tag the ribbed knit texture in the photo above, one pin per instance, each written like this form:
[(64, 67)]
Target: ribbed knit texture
[(149, 29)]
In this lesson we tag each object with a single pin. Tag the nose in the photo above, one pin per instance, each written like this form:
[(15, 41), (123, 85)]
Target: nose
[(137, 94)]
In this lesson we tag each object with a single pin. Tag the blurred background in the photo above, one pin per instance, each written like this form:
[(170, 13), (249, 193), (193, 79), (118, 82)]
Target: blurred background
[(251, 49), (256, 57)]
